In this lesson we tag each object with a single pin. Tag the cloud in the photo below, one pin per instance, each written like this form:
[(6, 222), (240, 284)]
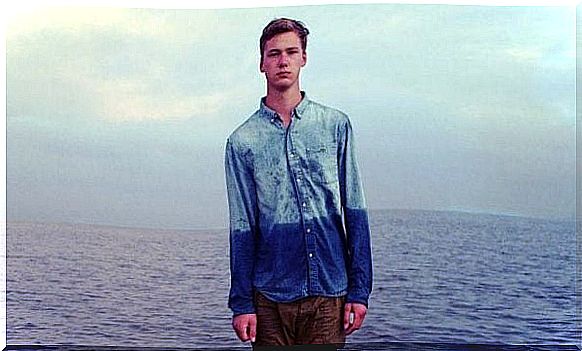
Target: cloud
[(525, 54), (64, 18), (125, 100), (85, 20), (472, 101), (124, 65)]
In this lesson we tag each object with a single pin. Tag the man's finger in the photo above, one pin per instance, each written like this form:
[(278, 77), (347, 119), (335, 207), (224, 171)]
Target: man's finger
[(359, 316), (245, 331), (253, 329), (350, 329), (238, 332), (358, 320), (347, 311), (355, 325), (235, 328), (241, 330), (352, 326)]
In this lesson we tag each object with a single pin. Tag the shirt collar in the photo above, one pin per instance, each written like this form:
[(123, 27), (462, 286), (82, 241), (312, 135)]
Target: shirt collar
[(299, 109)]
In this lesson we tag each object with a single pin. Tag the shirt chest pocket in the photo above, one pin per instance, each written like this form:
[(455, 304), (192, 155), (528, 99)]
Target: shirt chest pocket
[(322, 162)]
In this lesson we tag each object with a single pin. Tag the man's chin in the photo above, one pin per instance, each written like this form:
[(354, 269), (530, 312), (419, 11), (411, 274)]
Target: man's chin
[(282, 85)]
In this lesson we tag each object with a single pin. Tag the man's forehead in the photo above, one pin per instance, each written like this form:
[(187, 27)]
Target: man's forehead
[(283, 41)]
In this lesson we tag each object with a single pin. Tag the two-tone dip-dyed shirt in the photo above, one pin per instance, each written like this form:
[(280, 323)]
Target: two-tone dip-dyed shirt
[(298, 218)]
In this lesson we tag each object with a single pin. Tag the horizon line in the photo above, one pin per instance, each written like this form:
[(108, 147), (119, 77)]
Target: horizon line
[(467, 212)]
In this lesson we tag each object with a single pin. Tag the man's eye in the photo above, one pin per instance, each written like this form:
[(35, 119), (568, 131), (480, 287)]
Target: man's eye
[(273, 54)]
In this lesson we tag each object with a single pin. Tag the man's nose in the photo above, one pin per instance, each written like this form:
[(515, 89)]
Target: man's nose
[(283, 60)]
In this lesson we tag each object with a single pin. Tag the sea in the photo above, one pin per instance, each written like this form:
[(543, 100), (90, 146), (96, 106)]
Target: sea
[(439, 277)]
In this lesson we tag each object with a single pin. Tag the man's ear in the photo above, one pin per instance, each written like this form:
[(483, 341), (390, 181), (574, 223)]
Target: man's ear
[(304, 56), (261, 66)]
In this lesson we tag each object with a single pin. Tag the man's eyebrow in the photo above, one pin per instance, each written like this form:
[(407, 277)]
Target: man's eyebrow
[(286, 49)]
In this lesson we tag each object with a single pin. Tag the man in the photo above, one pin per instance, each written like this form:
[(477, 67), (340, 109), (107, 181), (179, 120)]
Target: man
[(300, 257)]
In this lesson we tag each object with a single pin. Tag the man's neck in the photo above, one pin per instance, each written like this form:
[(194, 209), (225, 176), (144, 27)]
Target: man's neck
[(283, 102)]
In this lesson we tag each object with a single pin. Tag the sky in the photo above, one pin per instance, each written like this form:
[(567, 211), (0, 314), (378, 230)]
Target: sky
[(120, 116)]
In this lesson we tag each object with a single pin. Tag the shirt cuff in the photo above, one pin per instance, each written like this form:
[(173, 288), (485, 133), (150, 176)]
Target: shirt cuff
[(358, 297), (244, 309)]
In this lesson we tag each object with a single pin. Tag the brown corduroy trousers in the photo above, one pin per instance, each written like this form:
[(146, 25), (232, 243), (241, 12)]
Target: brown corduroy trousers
[(310, 320)]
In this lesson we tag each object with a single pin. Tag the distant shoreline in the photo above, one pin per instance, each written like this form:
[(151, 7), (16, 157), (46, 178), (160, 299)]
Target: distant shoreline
[(373, 212)]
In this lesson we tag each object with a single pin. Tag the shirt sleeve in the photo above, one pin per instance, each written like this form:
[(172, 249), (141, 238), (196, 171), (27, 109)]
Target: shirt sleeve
[(355, 216), (242, 204)]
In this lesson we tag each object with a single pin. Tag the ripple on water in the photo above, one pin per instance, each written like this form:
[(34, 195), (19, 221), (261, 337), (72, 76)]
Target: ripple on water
[(440, 277)]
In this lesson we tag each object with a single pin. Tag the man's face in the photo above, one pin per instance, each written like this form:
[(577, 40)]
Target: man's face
[(282, 60)]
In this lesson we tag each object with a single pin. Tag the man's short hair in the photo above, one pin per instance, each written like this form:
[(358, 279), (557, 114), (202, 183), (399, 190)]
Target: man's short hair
[(283, 25)]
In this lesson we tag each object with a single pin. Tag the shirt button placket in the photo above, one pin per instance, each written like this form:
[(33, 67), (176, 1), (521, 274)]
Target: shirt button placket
[(304, 208), (298, 179)]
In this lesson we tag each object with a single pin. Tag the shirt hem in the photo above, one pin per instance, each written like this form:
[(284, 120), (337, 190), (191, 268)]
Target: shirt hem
[(301, 296)]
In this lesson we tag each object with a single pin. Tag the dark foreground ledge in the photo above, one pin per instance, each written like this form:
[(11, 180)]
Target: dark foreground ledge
[(391, 346)]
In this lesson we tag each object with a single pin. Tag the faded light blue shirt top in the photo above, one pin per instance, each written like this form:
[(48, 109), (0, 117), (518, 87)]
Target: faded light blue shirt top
[(298, 218)]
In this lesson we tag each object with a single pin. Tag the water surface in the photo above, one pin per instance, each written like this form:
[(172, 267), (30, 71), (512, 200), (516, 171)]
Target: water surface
[(439, 277)]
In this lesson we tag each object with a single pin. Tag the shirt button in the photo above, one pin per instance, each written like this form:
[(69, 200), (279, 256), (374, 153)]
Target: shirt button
[(304, 204), (272, 120), (310, 255), (298, 180), (309, 230)]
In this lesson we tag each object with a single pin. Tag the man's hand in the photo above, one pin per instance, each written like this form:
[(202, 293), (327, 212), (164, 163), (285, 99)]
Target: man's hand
[(245, 326), (359, 313)]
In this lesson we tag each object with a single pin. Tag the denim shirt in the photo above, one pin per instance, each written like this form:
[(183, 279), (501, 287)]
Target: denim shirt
[(298, 218)]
